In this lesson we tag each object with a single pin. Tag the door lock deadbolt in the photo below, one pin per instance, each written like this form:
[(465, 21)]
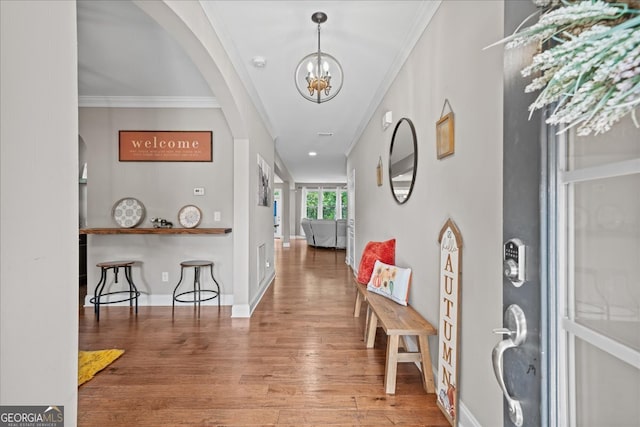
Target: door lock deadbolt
[(510, 269), (514, 262)]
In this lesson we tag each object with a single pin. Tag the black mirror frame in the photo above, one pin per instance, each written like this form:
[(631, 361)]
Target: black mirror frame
[(415, 159)]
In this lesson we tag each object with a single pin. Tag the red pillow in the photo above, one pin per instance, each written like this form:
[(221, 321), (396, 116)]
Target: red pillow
[(383, 251)]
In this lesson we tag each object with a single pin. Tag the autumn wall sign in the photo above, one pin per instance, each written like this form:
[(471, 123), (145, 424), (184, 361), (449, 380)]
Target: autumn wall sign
[(165, 146), (449, 326)]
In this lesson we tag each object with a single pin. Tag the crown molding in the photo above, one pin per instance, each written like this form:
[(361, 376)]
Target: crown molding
[(149, 101), (238, 65), (423, 18)]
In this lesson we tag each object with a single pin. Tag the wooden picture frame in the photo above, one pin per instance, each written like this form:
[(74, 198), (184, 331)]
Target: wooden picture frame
[(445, 137)]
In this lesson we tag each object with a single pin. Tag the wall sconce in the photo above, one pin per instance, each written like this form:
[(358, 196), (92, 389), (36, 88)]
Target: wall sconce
[(387, 119)]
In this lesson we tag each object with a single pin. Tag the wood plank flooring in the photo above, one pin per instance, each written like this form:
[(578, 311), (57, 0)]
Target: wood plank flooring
[(299, 361)]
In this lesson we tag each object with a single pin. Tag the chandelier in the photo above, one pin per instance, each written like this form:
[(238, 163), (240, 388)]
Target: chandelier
[(318, 75)]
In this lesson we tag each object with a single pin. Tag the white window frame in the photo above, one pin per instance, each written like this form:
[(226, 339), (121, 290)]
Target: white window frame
[(338, 208), (563, 413)]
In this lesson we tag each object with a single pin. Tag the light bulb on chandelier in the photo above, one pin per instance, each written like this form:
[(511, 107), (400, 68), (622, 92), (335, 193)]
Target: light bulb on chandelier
[(318, 84)]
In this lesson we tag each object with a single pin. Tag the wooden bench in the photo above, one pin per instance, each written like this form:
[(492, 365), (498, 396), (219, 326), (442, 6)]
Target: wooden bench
[(397, 321)]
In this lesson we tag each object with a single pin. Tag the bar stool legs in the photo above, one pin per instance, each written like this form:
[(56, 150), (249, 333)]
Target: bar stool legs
[(198, 294), (100, 297)]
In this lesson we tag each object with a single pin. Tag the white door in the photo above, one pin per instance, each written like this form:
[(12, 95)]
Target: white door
[(598, 280)]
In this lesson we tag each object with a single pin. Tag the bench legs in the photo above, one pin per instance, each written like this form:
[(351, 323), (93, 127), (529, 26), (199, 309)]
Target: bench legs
[(427, 374), (371, 322), (356, 309), (394, 343), (391, 368), (370, 328), (394, 357)]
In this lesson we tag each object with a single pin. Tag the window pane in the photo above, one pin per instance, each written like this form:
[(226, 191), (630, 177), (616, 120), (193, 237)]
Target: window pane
[(620, 143), (329, 204), (312, 204), (343, 197), (607, 257), (607, 389)]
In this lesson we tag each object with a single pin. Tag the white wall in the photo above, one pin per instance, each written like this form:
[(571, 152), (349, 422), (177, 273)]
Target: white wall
[(447, 63), (189, 25), (163, 188), (261, 223), (39, 205)]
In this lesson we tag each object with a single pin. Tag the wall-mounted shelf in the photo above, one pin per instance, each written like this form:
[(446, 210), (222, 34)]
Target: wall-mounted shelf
[(155, 230)]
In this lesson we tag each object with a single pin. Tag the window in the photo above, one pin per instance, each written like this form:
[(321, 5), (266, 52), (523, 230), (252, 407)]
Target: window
[(311, 204), (343, 204), (329, 204), (324, 203)]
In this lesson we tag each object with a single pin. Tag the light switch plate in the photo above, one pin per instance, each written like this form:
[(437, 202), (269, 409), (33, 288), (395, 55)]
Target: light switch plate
[(216, 216)]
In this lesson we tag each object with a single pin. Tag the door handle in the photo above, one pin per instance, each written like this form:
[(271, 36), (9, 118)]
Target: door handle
[(516, 332)]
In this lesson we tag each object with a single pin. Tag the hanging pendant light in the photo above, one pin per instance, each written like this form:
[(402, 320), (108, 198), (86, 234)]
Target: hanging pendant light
[(318, 75)]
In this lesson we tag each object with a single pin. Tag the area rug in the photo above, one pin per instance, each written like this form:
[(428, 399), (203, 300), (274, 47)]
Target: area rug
[(92, 362)]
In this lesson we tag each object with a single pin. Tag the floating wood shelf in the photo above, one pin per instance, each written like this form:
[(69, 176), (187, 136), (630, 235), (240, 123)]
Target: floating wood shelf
[(155, 230)]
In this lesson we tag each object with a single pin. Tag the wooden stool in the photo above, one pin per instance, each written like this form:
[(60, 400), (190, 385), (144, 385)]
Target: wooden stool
[(197, 290), (99, 295)]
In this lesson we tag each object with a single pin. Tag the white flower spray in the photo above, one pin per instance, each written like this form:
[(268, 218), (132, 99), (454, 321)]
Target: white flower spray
[(591, 70)]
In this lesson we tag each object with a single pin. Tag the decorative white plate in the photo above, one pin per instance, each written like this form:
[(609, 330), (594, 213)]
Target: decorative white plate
[(189, 216), (128, 212)]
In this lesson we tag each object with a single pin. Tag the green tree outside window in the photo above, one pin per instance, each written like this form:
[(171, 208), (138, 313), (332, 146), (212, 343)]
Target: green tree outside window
[(329, 204), (312, 205)]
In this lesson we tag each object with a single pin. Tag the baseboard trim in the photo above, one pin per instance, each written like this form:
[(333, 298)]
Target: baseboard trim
[(264, 288), (159, 300), (465, 417), (240, 310)]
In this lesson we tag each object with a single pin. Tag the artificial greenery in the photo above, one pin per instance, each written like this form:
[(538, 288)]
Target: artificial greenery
[(588, 64)]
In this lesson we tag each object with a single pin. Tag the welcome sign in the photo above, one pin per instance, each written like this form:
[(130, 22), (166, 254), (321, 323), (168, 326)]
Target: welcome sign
[(165, 146), (448, 339)]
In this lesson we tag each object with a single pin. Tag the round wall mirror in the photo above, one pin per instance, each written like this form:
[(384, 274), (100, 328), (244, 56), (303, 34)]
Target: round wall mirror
[(403, 160)]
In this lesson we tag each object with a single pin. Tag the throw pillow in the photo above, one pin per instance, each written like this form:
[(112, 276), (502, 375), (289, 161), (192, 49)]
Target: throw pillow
[(374, 251), (391, 282)]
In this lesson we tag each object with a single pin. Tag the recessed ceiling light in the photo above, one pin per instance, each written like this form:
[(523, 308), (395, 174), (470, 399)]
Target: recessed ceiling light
[(312, 153)]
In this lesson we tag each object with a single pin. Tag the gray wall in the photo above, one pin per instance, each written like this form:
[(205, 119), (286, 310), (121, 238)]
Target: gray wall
[(261, 219), (163, 188), (447, 62), (39, 205)]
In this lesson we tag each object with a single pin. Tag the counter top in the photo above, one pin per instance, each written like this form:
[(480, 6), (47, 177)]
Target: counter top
[(155, 230)]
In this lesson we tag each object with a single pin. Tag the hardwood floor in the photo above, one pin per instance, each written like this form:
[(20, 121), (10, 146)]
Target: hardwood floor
[(300, 360)]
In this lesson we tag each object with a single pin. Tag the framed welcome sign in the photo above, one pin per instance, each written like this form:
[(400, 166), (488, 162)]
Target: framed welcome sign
[(165, 146), (450, 241)]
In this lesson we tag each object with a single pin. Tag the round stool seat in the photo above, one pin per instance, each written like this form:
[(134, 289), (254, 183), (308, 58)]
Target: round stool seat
[(196, 294), (196, 263), (111, 264)]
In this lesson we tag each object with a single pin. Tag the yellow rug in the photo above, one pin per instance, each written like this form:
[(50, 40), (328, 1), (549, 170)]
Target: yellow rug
[(92, 362)]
